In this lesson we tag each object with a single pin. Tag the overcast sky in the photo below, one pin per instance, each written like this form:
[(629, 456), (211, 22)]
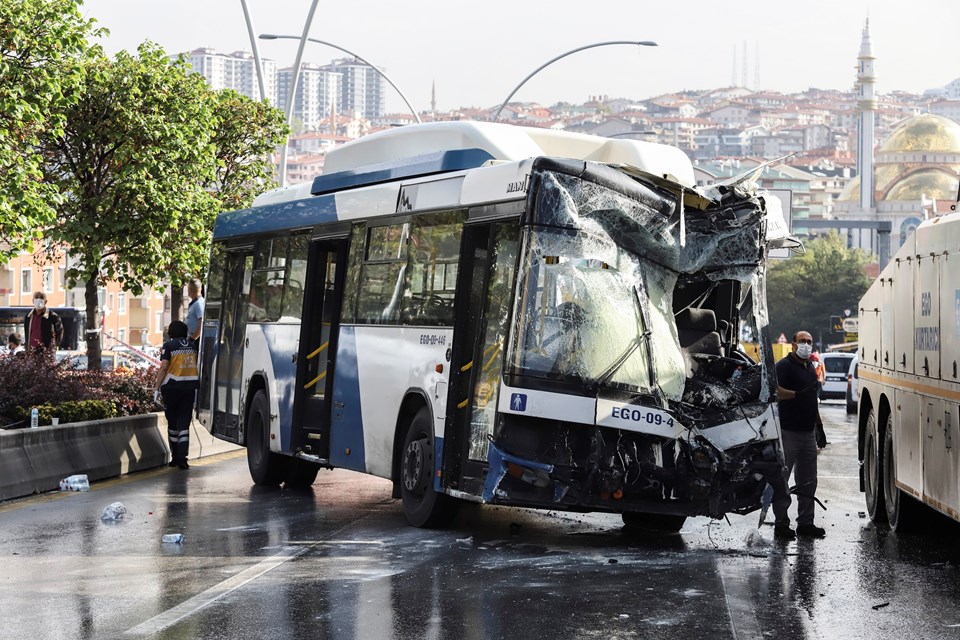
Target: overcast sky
[(476, 52)]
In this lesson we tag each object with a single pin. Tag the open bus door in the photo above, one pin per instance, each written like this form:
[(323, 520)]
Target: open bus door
[(485, 293), (229, 350), (323, 297)]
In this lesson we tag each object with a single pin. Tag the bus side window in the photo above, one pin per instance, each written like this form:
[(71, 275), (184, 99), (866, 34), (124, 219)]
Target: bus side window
[(381, 283), (351, 288), (433, 266), (266, 288), (214, 285), (296, 276)]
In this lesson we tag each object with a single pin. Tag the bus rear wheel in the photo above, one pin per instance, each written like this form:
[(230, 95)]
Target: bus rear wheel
[(266, 468), (655, 522), (903, 512), (422, 505), (872, 470)]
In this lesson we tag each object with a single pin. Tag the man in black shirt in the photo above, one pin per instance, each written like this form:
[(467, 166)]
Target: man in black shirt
[(799, 419)]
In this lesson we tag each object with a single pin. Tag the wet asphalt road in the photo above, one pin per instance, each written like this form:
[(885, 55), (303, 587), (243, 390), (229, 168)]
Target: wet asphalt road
[(339, 562)]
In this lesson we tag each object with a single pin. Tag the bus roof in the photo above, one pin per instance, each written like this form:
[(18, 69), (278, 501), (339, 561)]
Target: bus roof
[(439, 147)]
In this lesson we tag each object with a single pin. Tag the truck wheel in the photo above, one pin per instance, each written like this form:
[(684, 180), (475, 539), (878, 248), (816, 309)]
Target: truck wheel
[(422, 505), (266, 468), (903, 512), (872, 471), (658, 522)]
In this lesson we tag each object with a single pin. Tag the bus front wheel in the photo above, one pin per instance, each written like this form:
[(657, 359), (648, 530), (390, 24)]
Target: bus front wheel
[(265, 467), (654, 522), (422, 504)]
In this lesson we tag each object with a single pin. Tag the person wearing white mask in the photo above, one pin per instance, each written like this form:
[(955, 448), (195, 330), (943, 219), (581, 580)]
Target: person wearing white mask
[(42, 329), (797, 392)]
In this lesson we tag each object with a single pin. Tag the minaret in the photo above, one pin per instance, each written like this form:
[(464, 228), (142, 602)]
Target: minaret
[(866, 105), (433, 97)]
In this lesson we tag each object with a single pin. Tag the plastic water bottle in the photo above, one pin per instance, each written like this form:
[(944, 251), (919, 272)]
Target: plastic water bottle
[(34, 418), (175, 538), (736, 374), (75, 483)]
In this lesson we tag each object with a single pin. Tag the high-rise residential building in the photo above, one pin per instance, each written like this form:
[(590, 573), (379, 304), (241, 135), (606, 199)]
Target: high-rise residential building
[(237, 71), (363, 90), (318, 92)]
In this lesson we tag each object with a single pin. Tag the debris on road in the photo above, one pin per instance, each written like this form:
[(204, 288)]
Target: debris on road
[(78, 482), (877, 607), (114, 511)]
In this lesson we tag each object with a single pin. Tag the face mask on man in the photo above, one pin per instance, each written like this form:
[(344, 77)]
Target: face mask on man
[(804, 350), (38, 304)]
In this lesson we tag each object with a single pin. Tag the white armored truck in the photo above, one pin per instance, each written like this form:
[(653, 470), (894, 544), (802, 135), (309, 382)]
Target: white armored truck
[(909, 406)]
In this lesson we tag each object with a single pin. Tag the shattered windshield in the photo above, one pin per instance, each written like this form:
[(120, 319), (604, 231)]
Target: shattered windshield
[(581, 317)]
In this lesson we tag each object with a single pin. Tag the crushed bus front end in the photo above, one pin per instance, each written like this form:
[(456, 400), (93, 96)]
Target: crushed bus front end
[(624, 387)]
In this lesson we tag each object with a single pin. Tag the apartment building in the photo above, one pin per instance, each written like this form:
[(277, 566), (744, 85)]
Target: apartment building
[(237, 71)]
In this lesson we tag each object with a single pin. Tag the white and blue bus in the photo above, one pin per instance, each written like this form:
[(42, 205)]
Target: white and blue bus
[(504, 315)]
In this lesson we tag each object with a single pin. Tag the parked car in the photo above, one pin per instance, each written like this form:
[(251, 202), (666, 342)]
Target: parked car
[(835, 368), (853, 385), (78, 359)]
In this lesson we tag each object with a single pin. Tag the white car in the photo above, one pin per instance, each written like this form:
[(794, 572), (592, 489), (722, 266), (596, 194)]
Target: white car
[(835, 368), (853, 385)]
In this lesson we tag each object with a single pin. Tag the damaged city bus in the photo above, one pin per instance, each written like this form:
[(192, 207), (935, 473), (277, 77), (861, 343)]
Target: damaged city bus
[(505, 315)]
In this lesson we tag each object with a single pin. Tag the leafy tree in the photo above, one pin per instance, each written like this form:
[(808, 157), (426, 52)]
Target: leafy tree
[(246, 133), (805, 290), (130, 168), (41, 43)]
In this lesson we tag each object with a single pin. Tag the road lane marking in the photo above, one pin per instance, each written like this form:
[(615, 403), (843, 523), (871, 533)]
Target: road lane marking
[(187, 608), (740, 607)]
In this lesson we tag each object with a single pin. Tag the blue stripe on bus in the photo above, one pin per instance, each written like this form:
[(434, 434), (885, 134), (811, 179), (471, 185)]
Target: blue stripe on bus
[(276, 217), (437, 462), (426, 164), (346, 428), (280, 341)]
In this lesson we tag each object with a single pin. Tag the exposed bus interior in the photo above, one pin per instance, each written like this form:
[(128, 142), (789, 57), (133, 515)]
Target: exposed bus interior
[(627, 293)]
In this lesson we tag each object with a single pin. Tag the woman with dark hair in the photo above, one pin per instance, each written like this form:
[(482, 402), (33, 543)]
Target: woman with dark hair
[(177, 380)]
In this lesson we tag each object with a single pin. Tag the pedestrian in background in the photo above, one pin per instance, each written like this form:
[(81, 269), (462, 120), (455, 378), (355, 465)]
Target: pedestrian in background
[(14, 344), (195, 309), (42, 329), (177, 381), (797, 393)]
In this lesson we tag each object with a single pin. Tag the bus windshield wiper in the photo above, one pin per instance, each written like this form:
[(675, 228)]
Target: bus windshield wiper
[(642, 335)]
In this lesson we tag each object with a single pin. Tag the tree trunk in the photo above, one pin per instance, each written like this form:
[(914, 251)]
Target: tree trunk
[(176, 300), (92, 334)]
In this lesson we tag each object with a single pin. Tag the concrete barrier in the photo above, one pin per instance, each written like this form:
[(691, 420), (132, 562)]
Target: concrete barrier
[(35, 460)]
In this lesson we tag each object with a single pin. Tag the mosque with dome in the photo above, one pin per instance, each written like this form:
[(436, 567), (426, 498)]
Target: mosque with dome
[(914, 174)]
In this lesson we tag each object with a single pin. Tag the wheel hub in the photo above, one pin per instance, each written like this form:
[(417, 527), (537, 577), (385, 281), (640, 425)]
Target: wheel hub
[(413, 466)]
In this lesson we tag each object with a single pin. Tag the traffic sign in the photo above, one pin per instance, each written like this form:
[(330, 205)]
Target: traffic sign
[(782, 339)]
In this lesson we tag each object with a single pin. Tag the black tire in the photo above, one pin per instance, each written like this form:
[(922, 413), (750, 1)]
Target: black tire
[(299, 473), (266, 468), (904, 514), (872, 470), (656, 522), (422, 505)]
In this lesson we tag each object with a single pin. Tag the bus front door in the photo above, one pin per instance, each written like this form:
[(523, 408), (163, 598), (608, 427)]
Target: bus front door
[(229, 362), (484, 294), (326, 267)]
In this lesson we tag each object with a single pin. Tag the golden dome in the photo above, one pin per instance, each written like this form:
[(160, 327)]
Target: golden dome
[(937, 184), (925, 132)]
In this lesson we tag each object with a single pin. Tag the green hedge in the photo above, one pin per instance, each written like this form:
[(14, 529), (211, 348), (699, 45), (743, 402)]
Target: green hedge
[(68, 411)]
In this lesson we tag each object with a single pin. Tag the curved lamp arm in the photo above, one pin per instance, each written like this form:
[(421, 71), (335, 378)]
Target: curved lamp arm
[(271, 36), (642, 43)]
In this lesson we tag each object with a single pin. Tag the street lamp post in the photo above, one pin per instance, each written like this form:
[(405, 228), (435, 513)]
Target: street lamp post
[(641, 43), (272, 36)]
